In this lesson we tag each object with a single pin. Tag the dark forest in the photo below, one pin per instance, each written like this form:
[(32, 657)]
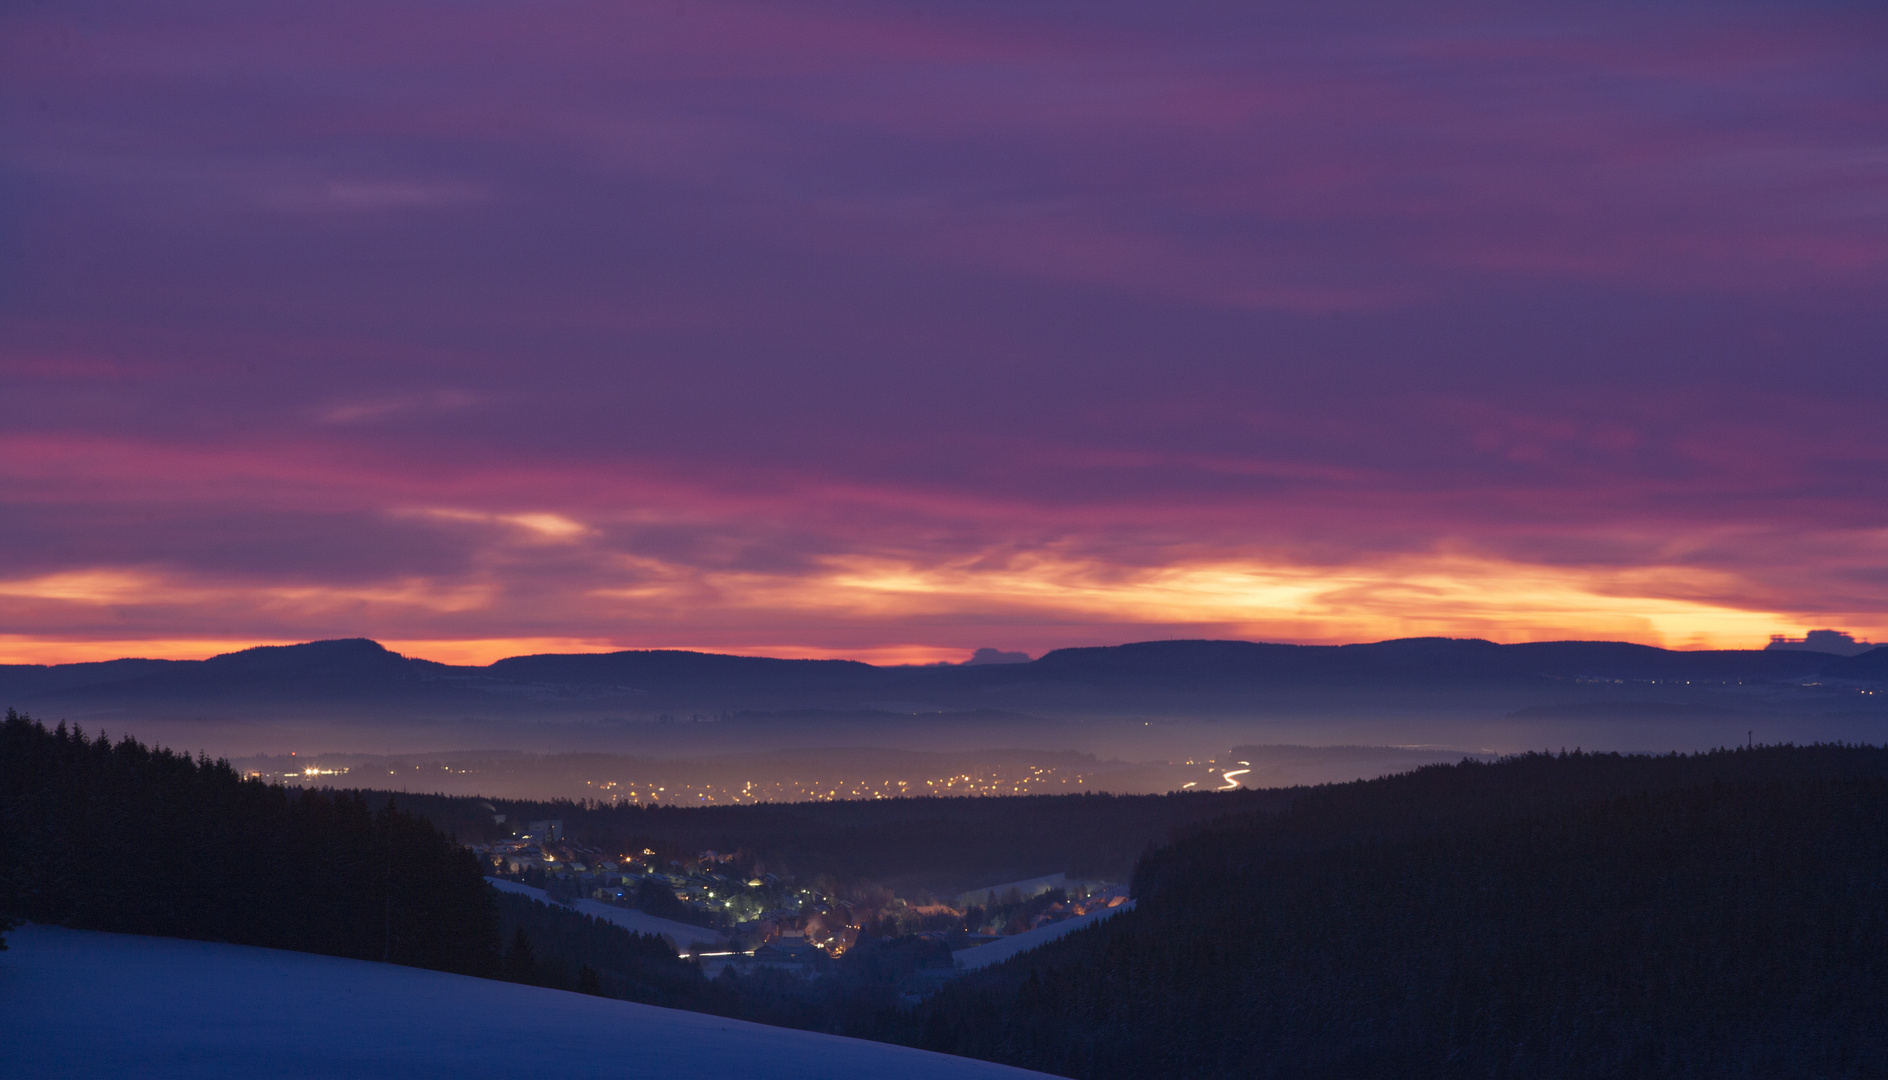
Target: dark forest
[(1546, 916), (117, 836)]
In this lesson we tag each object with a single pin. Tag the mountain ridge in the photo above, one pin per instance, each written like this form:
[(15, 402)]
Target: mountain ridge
[(1213, 675)]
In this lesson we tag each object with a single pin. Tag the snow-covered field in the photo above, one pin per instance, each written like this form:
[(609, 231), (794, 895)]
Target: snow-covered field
[(1026, 888), (982, 956), (680, 934), (76, 1003)]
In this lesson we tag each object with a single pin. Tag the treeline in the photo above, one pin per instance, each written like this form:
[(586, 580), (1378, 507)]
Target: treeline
[(555, 946), (122, 837), (853, 995), (1545, 916), (940, 846), (118, 836), (1571, 915)]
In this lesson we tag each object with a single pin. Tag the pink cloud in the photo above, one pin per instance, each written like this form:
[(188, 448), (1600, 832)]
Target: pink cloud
[(343, 297)]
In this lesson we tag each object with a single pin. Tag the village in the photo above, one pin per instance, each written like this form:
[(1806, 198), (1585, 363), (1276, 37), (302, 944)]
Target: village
[(727, 912)]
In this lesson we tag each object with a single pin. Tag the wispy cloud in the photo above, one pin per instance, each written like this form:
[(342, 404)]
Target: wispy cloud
[(375, 410), (896, 332), (540, 525), (368, 196)]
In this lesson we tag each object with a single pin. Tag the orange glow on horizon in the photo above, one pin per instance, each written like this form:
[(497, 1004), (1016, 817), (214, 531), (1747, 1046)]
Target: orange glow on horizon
[(1415, 596), (880, 655), (19, 649), (881, 610), (477, 652)]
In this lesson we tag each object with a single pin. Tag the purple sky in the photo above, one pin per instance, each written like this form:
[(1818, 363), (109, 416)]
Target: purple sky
[(891, 330)]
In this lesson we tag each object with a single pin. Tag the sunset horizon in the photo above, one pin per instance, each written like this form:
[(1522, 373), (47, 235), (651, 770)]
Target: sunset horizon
[(479, 653), (850, 331), (944, 539)]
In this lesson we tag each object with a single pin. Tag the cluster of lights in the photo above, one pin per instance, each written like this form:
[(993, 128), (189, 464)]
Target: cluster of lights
[(1225, 775), (1034, 779)]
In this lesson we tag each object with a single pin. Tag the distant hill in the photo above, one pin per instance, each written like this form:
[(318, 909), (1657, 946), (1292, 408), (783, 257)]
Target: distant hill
[(360, 677), (1871, 666), (1419, 661)]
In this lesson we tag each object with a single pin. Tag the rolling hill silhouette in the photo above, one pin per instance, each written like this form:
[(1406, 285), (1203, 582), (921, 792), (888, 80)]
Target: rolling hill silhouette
[(359, 676)]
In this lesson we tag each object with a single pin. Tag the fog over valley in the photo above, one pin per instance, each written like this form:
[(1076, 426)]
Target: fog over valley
[(689, 728)]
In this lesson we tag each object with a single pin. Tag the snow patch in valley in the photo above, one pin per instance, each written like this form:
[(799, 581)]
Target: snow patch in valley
[(982, 956), (680, 934), (80, 1003)]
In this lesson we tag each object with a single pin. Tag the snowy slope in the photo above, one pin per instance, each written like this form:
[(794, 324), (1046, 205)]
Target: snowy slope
[(1026, 888), (78, 1003), (996, 952), (680, 934)]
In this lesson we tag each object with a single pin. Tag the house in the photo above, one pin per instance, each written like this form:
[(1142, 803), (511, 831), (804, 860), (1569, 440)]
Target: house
[(788, 949)]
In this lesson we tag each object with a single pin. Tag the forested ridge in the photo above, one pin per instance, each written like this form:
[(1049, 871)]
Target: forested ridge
[(122, 837), (940, 845), (1719, 915), (552, 945)]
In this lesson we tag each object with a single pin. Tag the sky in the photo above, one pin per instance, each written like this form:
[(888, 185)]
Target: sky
[(894, 330)]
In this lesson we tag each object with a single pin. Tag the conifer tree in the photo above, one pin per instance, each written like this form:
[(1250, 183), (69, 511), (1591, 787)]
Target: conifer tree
[(520, 965)]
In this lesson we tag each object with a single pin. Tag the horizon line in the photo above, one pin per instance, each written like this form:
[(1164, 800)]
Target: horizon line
[(469, 653)]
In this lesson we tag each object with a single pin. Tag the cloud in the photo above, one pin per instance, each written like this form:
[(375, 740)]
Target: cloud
[(540, 526), (853, 330), (395, 195), (384, 409), (855, 606)]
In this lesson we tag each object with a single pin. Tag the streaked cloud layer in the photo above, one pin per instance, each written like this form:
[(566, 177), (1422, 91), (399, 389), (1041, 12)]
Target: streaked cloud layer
[(892, 331)]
